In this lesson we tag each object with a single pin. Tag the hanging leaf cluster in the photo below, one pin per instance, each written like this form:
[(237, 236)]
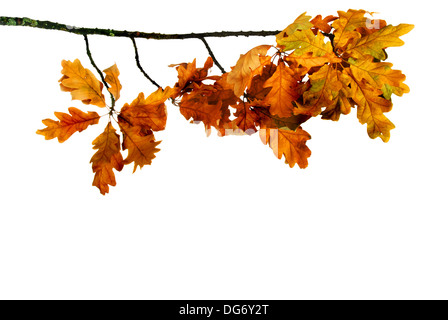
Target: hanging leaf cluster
[(319, 67)]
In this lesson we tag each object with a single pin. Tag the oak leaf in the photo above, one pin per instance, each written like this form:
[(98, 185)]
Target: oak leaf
[(371, 108), (346, 25), (81, 83), (304, 41), (325, 86), (68, 124), (302, 22), (247, 66), (149, 113), (284, 91), (107, 158), (323, 24), (291, 144), (380, 75), (375, 43), (196, 106), (112, 74), (141, 145)]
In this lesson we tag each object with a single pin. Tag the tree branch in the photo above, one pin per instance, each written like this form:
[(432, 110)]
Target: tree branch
[(137, 60), (48, 25)]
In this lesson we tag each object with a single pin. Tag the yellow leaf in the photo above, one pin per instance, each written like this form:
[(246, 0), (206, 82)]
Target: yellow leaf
[(346, 25), (107, 157), (304, 41), (301, 23), (112, 74), (374, 43), (371, 108), (379, 74), (68, 124), (247, 66), (325, 87), (81, 83)]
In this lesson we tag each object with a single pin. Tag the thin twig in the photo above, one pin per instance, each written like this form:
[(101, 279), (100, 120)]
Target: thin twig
[(137, 60), (89, 54), (49, 25), (210, 52)]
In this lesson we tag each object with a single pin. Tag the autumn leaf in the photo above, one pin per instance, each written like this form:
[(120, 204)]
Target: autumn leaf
[(247, 66), (246, 119), (68, 124), (81, 83), (346, 25), (374, 43), (304, 41), (308, 60), (325, 86), (189, 74), (371, 108), (196, 106), (288, 143), (342, 103), (112, 74), (141, 145), (107, 157), (380, 75), (323, 24), (149, 113), (301, 23), (284, 91)]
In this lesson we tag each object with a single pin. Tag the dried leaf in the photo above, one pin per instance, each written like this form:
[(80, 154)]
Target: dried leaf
[(68, 124), (107, 157), (81, 83), (112, 74)]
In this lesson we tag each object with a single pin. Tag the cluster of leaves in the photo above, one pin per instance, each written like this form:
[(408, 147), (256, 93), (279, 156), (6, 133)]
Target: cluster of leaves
[(320, 66)]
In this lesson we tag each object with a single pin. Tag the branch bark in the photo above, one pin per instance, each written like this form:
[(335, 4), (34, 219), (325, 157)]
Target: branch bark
[(49, 25)]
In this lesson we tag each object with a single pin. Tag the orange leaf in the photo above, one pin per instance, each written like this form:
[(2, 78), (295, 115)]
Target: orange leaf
[(195, 105), (247, 66), (246, 118), (112, 74), (141, 145), (322, 24), (188, 73), (107, 157), (284, 91), (81, 83), (149, 113), (291, 144), (68, 124)]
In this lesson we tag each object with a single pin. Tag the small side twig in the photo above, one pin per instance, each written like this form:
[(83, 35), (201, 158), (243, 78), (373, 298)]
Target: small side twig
[(89, 54), (210, 52), (137, 60)]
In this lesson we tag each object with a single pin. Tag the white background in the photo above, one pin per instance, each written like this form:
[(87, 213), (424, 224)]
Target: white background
[(219, 218)]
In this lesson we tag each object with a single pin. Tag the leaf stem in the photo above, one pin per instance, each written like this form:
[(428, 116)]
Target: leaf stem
[(210, 52), (89, 54), (137, 60)]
